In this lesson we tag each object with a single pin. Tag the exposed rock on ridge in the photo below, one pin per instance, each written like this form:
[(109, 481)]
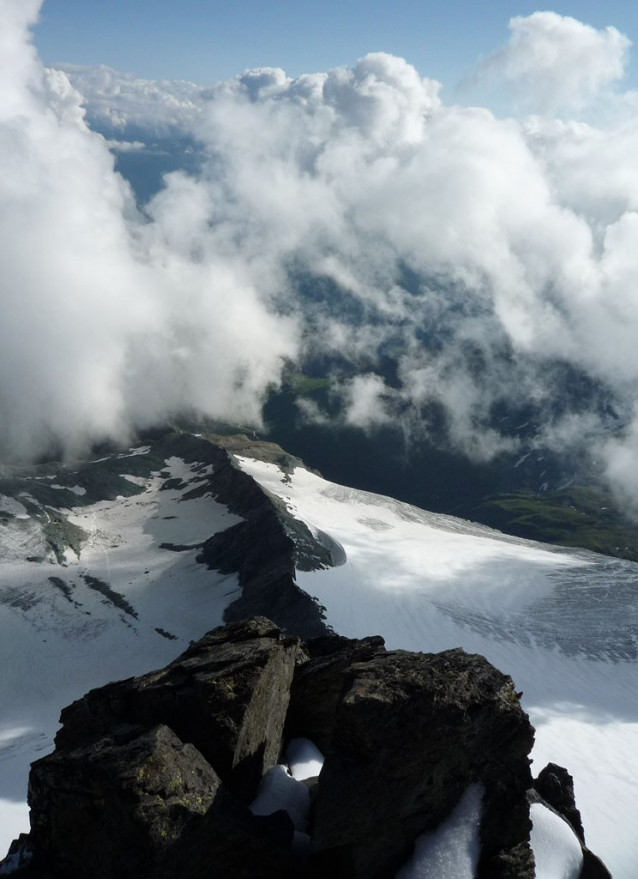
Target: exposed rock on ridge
[(263, 550), (266, 547), (152, 777)]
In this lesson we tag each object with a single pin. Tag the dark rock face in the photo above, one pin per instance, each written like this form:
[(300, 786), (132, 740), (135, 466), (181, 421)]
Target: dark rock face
[(411, 732), (556, 787), (144, 804), (18, 857), (319, 685), (141, 789), (151, 777), (227, 695), (264, 550)]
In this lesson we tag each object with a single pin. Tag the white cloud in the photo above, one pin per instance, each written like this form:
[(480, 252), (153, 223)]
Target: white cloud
[(347, 213), (554, 61), (121, 101), (105, 322), (366, 398)]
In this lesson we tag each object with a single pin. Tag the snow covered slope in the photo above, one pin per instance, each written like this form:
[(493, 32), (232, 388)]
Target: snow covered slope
[(99, 581), (562, 623), (125, 605)]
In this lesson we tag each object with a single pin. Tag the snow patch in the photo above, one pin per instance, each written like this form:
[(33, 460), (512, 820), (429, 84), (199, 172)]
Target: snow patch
[(76, 489), (11, 505), (304, 759), (556, 848), (132, 453), (278, 790), (136, 480), (451, 851)]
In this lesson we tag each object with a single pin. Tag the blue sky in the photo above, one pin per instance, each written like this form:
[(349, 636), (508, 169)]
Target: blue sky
[(208, 40)]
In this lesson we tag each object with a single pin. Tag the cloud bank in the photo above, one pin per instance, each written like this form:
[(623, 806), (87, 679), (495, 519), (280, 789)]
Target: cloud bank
[(350, 216)]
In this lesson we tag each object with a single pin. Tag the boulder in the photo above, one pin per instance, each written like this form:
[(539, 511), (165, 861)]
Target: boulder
[(143, 804), (411, 732), (227, 695), (118, 804)]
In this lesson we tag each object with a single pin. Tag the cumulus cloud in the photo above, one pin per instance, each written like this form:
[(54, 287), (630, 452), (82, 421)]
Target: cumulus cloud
[(446, 263), (554, 61), (365, 399), (105, 322), (121, 102)]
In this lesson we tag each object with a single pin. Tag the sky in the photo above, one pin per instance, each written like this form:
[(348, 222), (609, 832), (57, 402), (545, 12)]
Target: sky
[(346, 210), (205, 40)]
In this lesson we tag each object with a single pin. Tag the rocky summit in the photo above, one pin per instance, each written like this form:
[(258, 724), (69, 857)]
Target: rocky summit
[(160, 776)]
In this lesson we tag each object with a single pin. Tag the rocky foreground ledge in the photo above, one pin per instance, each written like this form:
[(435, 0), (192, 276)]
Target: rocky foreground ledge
[(154, 777)]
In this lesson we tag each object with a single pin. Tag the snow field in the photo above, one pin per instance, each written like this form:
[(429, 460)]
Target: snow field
[(54, 646), (428, 582)]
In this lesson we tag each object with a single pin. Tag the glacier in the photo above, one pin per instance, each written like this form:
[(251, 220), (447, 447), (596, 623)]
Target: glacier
[(561, 622)]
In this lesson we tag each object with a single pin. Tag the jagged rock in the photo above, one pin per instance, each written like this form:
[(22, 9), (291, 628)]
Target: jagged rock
[(556, 787), (151, 777), (264, 550), (593, 867), (19, 857), (227, 695), (411, 732), (262, 553), (118, 804)]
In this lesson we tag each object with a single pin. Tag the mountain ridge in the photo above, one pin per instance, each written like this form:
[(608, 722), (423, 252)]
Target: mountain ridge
[(351, 561)]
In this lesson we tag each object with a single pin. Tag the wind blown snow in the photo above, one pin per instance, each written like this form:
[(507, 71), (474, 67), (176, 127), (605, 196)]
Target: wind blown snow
[(304, 759), (279, 790)]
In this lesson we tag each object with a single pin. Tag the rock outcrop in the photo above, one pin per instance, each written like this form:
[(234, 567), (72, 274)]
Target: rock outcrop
[(405, 734), (227, 694), (556, 786), (267, 547), (153, 777)]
